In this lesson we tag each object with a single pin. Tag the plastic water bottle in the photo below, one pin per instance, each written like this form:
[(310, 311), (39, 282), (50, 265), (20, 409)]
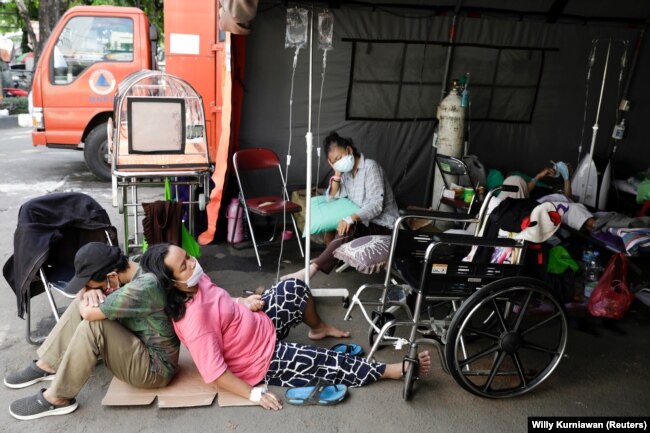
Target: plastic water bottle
[(591, 271), (234, 214)]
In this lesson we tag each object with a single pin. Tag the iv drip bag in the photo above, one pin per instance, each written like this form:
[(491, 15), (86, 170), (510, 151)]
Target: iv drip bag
[(297, 28), (325, 30)]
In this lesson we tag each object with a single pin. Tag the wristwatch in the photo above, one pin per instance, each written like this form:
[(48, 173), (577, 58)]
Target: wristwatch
[(348, 220)]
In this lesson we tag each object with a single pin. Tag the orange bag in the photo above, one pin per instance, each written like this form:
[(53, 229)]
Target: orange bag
[(611, 297)]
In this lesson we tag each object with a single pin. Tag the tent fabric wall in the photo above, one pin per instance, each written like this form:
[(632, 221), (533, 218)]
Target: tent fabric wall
[(404, 148)]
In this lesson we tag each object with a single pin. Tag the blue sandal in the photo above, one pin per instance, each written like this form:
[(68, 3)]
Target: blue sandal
[(351, 349), (319, 392)]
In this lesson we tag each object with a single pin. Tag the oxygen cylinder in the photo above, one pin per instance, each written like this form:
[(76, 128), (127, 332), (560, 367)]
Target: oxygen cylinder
[(234, 213), (451, 128)]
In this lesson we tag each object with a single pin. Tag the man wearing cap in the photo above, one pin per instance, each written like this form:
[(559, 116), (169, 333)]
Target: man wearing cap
[(127, 328)]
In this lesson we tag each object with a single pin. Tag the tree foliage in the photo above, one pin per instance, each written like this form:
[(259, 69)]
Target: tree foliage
[(48, 12), (153, 8), (11, 20), (18, 14)]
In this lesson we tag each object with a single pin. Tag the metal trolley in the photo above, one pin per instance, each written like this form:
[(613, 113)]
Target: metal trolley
[(498, 333), (158, 134)]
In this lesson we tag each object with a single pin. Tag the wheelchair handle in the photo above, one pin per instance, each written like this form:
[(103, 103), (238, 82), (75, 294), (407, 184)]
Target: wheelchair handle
[(509, 188), (453, 239), (434, 215)]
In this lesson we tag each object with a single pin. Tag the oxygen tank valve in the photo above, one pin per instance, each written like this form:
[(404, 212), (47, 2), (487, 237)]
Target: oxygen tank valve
[(455, 86)]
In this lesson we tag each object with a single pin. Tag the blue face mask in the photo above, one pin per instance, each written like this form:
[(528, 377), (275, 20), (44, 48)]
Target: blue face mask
[(345, 164)]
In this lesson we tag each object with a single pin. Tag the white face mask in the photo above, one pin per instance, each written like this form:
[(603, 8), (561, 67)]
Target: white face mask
[(193, 280), (110, 289), (344, 164)]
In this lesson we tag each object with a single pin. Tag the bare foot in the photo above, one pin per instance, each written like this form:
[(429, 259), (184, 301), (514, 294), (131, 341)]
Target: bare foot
[(44, 366), (425, 362), (394, 371), (300, 274), (57, 401), (327, 331)]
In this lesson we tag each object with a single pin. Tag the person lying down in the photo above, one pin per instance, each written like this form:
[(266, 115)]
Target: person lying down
[(237, 343), (575, 215)]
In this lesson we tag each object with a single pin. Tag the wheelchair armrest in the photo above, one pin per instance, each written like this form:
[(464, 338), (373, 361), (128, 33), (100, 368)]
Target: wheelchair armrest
[(435, 215), (454, 239)]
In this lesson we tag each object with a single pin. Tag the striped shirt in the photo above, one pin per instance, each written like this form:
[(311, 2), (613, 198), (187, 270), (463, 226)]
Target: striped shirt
[(369, 189)]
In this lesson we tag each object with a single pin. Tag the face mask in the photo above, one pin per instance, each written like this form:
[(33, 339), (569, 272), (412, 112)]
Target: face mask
[(193, 280), (344, 164), (110, 289)]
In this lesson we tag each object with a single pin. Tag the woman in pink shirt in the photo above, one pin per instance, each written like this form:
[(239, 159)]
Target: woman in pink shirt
[(237, 344)]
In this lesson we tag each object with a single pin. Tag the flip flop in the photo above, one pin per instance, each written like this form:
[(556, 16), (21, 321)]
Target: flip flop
[(318, 392), (348, 348)]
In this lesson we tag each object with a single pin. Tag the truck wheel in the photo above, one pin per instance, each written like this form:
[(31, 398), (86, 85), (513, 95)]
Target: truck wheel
[(96, 152)]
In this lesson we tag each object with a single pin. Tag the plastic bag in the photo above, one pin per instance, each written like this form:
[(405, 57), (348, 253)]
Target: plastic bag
[(611, 297), (559, 260), (325, 30), (297, 28), (188, 243)]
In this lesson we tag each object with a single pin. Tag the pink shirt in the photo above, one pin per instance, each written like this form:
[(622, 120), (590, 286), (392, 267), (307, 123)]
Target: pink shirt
[(221, 334)]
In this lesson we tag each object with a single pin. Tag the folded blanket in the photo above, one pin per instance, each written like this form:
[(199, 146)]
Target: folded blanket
[(633, 239)]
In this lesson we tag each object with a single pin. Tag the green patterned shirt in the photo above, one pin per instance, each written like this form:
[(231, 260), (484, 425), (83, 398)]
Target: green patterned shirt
[(139, 306)]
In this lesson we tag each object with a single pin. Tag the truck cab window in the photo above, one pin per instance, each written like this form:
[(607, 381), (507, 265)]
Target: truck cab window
[(88, 40)]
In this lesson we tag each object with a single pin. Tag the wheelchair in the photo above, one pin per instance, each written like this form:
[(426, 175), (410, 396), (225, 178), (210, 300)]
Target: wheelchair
[(498, 332)]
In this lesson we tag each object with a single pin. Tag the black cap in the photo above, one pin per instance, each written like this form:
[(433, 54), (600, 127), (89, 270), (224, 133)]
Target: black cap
[(92, 258)]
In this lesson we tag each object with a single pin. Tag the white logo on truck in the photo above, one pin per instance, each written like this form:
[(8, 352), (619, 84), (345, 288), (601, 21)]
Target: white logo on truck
[(102, 82)]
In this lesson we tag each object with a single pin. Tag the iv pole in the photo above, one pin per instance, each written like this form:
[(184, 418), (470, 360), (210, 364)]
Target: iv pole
[(309, 149)]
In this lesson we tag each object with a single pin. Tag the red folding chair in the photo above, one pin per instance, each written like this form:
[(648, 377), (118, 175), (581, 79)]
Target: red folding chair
[(267, 205)]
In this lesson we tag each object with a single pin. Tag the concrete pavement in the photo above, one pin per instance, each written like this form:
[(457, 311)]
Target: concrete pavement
[(603, 374)]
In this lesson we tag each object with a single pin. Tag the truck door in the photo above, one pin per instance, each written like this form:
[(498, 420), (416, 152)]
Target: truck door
[(90, 56)]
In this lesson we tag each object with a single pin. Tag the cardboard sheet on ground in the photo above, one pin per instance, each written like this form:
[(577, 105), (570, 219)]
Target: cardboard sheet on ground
[(187, 389)]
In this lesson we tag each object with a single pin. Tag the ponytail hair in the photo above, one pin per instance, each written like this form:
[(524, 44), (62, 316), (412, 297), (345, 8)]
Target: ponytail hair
[(334, 139), (153, 261)]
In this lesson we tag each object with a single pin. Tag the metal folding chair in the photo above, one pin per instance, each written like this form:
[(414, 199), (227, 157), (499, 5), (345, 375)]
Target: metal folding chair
[(51, 229), (58, 269), (267, 205)]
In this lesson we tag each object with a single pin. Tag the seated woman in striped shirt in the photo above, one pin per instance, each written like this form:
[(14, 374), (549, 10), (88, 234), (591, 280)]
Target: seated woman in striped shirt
[(364, 182)]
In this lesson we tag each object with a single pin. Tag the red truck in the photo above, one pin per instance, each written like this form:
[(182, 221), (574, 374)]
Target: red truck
[(93, 48)]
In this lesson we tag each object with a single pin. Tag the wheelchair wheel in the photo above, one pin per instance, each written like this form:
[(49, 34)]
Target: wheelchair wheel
[(506, 338), (379, 320), (410, 371)]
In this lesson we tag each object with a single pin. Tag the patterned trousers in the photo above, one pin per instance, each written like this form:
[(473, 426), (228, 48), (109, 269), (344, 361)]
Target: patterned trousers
[(296, 364)]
